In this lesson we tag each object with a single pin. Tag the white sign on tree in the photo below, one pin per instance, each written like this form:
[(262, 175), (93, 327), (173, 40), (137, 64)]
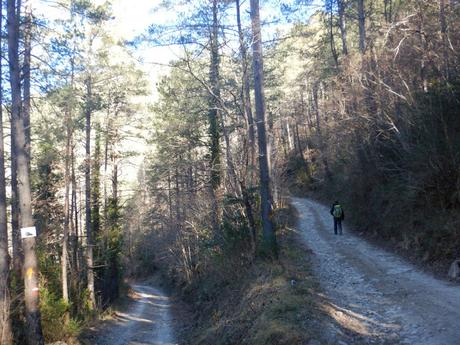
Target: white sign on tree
[(28, 232)]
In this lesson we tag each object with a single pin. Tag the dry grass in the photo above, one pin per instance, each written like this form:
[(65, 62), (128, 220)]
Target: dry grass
[(269, 303)]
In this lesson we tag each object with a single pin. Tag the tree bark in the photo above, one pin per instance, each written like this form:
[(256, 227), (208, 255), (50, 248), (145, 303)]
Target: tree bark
[(18, 255), (106, 161), (115, 177), (96, 189), (214, 130), (362, 26), (423, 43), (26, 73), (331, 36), (74, 226), (246, 101), (65, 240), (299, 147), (34, 334), (88, 222), (444, 37), (170, 199), (342, 25), (246, 94), (269, 236), (6, 333), (178, 197), (73, 215), (388, 10)]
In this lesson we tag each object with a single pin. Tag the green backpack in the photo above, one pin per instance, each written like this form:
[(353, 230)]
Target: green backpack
[(337, 213)]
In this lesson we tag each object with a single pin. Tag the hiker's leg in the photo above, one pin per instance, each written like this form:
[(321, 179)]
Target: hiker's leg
[(335, 226), (340, 226)]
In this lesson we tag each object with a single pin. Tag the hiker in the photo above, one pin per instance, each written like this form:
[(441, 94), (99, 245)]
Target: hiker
[(339, 215)]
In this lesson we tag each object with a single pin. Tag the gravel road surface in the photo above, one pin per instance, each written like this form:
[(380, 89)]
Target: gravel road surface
[(147, 321)]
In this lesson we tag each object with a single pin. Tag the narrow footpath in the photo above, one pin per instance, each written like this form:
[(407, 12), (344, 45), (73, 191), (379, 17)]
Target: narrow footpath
[(374, 295), (147, 321)]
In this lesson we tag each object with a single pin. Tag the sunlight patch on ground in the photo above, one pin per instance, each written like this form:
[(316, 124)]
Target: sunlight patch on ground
[(156, 305), (354, 321), (128, 317), (157, 297)]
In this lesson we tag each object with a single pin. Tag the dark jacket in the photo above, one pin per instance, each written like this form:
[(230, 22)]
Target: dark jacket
[(332, 211)]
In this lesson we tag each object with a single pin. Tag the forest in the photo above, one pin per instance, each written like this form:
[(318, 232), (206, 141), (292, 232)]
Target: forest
[(170, 143)]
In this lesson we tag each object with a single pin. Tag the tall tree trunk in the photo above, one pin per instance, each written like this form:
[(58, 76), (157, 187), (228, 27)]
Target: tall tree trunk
[(178, 197), (65, 240), (113, 266), (388, 10), (342, 25), (115, 177), (73, 216), (299, 147), (106, 161), (96, 189), (110, 272), (170, 199), (6, 333), (362, 26), (291, 144), (331, 35), (74, 243), (445, 39), (18, 255), (246, 101), (30, 269), (214, 130), (26, 73), (269, 237), (79, 231), (246, 89), (74, 221), (424, 44), (88, 222)]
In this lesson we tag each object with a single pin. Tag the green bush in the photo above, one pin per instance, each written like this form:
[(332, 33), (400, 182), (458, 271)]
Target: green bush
[(56, 323)]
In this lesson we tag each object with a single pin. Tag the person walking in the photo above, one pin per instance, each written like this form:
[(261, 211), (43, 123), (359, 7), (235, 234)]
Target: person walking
[(339, 215)]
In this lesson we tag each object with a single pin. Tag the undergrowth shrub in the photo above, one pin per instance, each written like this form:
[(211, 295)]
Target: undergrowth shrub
[(55, 317), (256, 304)]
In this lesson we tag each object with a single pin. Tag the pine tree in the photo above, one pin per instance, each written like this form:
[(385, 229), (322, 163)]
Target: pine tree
[(269, 237)]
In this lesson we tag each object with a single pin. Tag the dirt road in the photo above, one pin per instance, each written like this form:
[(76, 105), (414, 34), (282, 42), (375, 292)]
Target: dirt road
[(147, 321), (374, 295)]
